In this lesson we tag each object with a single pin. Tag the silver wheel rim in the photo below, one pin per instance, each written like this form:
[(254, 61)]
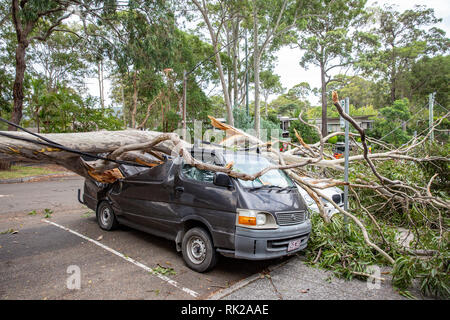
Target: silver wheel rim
[(105, 216), (196, 250)]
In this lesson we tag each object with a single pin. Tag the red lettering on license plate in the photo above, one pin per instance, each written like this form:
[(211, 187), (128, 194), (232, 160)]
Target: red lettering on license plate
[(294, 244)]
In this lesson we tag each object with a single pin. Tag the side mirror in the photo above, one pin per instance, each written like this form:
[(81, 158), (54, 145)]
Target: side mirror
[(222, 179)]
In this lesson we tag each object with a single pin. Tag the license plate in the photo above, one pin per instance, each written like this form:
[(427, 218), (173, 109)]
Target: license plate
[(294, 244)]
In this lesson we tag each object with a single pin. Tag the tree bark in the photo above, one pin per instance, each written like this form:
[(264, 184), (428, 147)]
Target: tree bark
[(5, 165), (135, 94), (324, 101), (88, 142), (18, 95), (215, 44), (235, 61), (256, 62)]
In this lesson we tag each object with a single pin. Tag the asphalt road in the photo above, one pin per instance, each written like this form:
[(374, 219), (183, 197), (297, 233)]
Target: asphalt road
[(34, 261)]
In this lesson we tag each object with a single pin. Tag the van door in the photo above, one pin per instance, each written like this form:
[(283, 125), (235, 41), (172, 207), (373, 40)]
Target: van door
[(144, 200), (197, 197)]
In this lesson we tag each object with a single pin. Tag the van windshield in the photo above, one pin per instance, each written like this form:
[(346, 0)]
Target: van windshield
[(252, 164)]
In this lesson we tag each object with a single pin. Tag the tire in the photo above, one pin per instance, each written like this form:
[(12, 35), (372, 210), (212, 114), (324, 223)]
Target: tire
[(106, 218), (198, 250)]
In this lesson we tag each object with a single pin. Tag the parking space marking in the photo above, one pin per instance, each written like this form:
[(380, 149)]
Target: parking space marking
[(137, 263)]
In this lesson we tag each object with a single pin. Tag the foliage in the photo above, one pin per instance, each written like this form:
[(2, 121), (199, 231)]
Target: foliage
[(307, 133), (369, 110), (246, 123), (361, 92), (64, 110), (389, 126), (345, 252), (24, 171), (402, 39)]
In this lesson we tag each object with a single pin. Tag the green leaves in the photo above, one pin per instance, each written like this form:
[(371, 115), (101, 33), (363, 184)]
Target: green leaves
[(48, 213), (164, 270)]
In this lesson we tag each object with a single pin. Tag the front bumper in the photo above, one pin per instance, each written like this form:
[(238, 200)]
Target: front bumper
[(254, 244)]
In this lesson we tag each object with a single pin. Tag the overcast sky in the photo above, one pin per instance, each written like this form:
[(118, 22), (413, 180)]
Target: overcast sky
[(288, 67)]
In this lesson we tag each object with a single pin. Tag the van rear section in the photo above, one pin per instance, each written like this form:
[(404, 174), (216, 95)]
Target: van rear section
[(94, 192)]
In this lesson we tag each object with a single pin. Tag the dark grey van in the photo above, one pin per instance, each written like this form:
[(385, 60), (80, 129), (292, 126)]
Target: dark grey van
[(207, 213)]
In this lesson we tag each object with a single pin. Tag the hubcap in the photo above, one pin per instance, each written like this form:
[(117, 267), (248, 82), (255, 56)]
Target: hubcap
[(196, 250), (105, 216)]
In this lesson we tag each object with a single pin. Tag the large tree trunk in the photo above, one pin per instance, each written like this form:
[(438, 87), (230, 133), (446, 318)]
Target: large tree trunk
[(88, 142), (16, 115)]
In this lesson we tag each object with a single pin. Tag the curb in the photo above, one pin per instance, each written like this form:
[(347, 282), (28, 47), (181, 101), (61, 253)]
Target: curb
[(28, 179)]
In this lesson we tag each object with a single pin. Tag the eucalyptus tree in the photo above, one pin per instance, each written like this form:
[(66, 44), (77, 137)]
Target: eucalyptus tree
[(270, 84), (272, 22), (61, 59), (404, 38), (216, 15), (329, 40), (33, 21), (36, 20), (145, 49)]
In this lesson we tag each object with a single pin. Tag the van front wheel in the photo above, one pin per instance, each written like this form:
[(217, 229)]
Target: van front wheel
[(198, 250)]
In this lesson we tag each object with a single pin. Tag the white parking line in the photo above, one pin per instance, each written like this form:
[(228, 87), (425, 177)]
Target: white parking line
[(137, 263)]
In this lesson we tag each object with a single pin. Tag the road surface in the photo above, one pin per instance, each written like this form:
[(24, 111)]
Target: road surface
[(38, 261)]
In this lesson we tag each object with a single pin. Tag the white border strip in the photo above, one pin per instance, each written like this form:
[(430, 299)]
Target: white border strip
[(137, 263)]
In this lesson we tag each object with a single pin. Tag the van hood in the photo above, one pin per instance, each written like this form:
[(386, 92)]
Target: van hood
[(270, 200)]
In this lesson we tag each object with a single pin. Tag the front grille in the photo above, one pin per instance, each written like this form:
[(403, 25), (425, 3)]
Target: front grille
[(290, 217)]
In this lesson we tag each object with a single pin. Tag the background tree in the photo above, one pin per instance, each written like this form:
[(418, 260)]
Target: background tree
[(403, 39), (215, 15), (272, 22), (330, 40), (33, 21), (270, 84)]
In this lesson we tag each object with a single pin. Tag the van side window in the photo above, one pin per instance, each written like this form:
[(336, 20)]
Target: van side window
[(196, 174)]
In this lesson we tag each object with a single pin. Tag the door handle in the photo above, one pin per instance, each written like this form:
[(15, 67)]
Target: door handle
[(179, 189)]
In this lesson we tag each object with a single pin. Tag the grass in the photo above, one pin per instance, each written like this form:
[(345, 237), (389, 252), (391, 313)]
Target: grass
[(22, 172)]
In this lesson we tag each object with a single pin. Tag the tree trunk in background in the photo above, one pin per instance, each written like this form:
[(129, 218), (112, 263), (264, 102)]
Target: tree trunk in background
[(103, 88), (266, 97), (235, 61), (324, 102), (16, 115), (5, 165), (124, 106), (100, 83), (256, 61), (135, 93)]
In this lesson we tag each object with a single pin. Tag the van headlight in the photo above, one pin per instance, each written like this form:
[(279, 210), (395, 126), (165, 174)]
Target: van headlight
[(255, 219)]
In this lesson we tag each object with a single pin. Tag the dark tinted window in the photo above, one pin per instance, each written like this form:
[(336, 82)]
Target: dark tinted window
[(196, 174)]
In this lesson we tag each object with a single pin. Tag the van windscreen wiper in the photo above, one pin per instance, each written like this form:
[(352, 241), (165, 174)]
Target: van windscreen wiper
[(265, 186), (289, 188)]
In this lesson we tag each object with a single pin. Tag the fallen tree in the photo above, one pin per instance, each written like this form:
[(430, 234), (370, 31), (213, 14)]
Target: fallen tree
[(424, 212)]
